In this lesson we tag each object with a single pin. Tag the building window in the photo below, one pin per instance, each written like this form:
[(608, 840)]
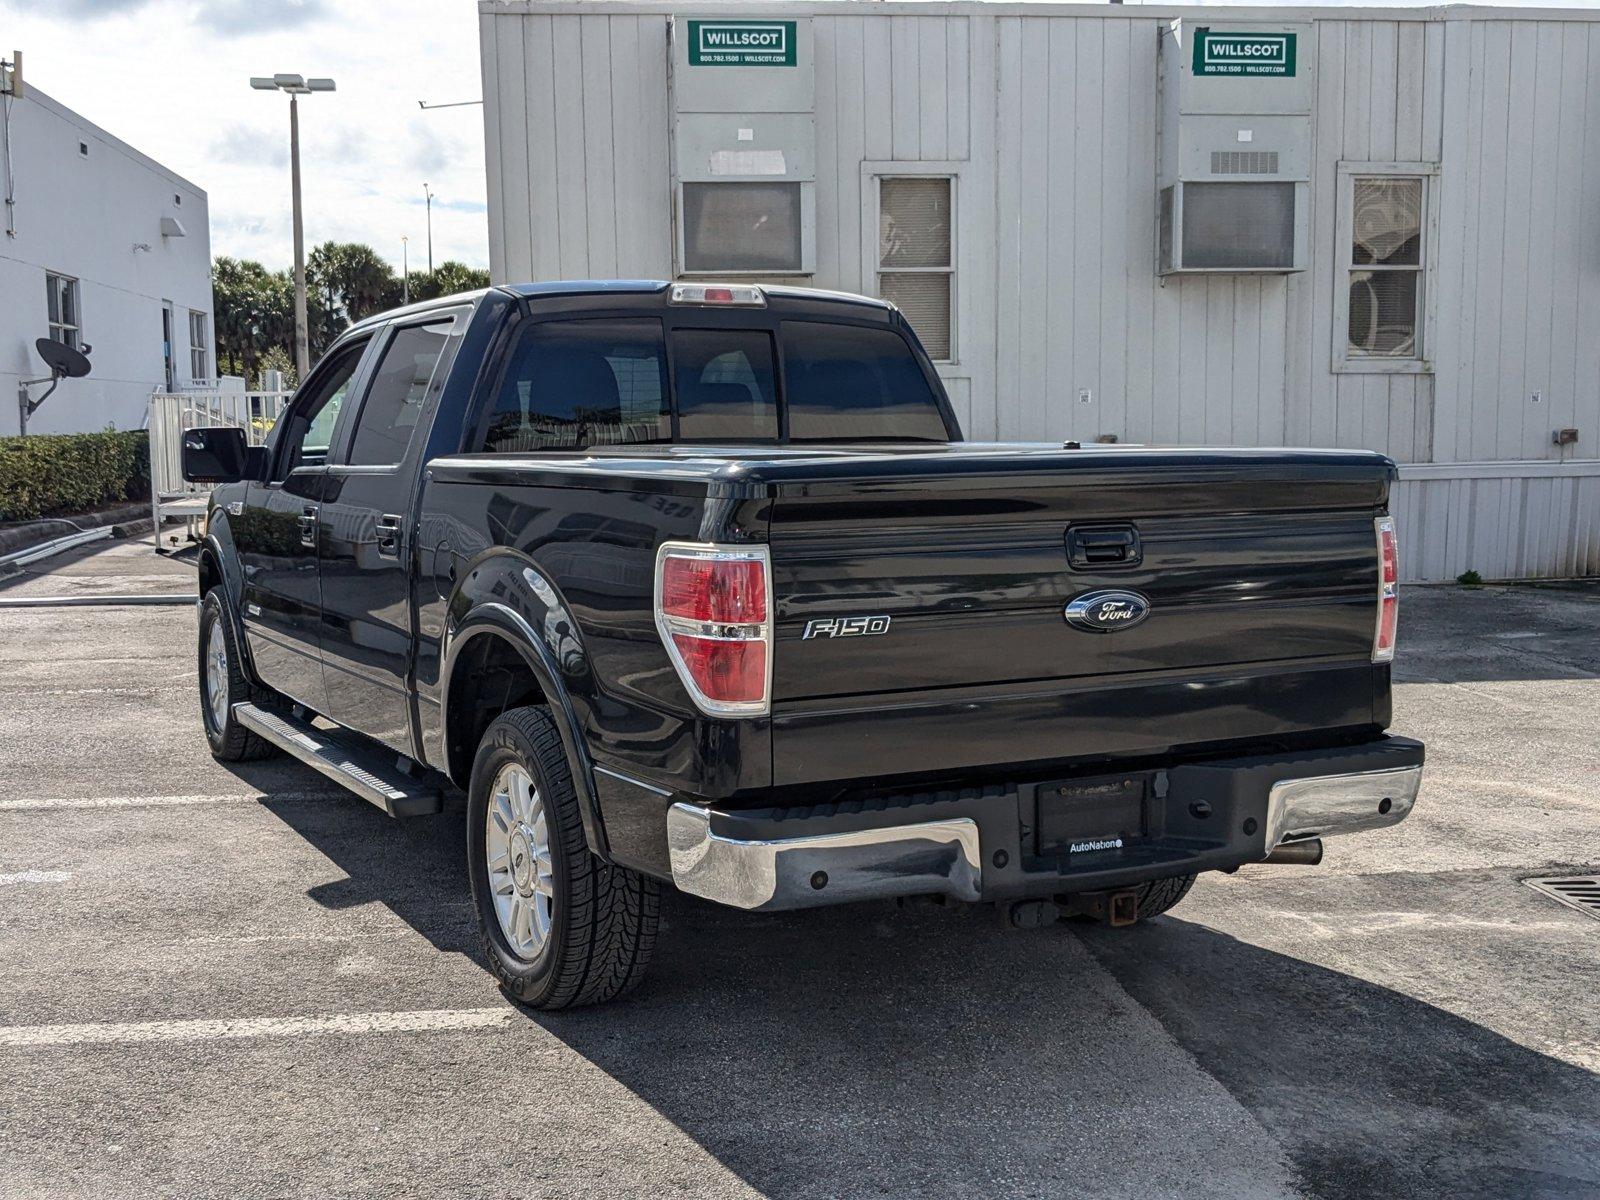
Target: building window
[(199, 347), (916, 256), (61, 303), (1382, 301)]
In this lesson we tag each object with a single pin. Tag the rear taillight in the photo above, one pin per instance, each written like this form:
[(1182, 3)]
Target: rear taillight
[(1388, 591), (714, 611)]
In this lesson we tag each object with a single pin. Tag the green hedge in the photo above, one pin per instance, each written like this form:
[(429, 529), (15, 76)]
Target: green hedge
[(52, 474)]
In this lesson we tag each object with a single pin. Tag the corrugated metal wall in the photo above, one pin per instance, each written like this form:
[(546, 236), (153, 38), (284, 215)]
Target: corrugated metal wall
[(1520, 244), (577, 136), (1502, 520), (1047, 116)]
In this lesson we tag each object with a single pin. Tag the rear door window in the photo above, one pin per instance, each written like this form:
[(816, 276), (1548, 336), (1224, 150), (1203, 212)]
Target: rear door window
[(399, 389), (724, 384), (573, 384), (849, 383)]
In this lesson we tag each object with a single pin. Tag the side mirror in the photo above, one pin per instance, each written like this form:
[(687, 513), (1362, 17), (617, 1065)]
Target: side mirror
[(218, 455)]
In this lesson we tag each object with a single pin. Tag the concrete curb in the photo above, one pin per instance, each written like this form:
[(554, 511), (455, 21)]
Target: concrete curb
[(18, 559), (27, 534)]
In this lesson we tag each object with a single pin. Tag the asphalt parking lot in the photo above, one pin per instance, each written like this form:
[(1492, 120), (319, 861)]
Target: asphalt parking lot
[(243, 982)]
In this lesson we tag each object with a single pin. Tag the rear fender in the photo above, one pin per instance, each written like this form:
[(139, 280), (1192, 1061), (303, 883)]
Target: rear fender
[(506, 596)]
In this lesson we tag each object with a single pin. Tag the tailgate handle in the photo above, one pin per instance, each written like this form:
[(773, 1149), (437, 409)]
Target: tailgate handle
[(1104, 546)]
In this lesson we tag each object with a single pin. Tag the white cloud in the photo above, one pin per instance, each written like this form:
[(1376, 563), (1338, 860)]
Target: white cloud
[(251, 16), (242, 145), (431, 152), (171, 77)]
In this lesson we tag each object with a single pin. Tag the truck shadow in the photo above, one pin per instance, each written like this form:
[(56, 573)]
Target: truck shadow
[(878, 1050), (875, 1051)]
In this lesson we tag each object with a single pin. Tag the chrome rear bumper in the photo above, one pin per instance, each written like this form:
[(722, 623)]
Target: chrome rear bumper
[(929, 857), (989, 843), (1328, 805)]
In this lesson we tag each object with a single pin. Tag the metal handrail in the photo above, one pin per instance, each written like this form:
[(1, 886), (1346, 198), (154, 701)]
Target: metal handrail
[(173, 412)]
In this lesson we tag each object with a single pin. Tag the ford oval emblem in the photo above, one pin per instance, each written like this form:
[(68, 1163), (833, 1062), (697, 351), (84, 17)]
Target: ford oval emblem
[(1107, 611)]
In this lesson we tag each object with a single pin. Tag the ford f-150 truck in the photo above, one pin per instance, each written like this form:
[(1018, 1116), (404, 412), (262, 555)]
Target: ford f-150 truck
[(699, 584)]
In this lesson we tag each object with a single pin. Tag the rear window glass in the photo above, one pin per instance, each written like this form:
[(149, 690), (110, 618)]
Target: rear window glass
[(847, 383), (572, 384), (724, 385)]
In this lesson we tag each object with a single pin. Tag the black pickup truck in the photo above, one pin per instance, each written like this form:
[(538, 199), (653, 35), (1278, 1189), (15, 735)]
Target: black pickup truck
[(699, 584)]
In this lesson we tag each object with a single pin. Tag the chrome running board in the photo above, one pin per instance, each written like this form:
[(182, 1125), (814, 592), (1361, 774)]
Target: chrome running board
[(347, 758)]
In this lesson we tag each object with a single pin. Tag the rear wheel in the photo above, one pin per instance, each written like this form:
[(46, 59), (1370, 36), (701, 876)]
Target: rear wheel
[(223, 684), (1159, 895), (560, 927)]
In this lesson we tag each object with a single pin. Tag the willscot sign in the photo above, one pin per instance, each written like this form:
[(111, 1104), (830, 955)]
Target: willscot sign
[(741, 43), (1243, 53)]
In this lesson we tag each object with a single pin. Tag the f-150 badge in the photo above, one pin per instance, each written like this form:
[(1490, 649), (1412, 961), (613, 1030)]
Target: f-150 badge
[(834, 627), (1106, 611)]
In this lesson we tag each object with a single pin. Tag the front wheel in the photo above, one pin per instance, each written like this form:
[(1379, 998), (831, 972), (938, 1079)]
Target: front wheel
[(223, 684), (560, 927)]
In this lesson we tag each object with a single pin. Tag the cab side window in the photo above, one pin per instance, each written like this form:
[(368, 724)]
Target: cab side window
[(311, 422), (399, 390)]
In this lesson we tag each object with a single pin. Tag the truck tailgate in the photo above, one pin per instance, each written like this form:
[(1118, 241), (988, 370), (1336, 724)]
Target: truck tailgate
[(1259, 569)]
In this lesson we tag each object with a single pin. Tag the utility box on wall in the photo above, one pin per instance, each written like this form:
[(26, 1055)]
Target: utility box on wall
[(744, 146), (1234, 147)]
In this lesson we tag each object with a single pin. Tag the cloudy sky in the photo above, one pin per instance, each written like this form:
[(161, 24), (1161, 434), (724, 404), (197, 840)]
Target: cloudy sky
[(171, 77)]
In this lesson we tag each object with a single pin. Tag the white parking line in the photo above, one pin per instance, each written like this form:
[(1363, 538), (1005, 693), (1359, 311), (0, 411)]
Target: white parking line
[(160, 801), (421, 1021), (35, 877), (133, 689)]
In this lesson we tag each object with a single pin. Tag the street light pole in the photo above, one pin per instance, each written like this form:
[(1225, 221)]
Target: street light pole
[(302, 343), (296, 86), (428, 196), (405, 270)]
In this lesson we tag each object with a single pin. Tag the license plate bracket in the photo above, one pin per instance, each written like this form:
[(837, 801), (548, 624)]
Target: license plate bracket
[(1092, 814)]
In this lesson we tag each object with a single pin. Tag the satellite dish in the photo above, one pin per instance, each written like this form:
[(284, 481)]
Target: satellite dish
[(64, 362)]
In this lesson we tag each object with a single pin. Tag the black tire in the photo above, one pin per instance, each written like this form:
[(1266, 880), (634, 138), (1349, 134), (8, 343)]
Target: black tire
[(603, 918), (229, 740), (1159, 895)]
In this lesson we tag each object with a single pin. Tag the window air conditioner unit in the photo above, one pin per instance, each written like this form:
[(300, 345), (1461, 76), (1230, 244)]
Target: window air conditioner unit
[(1234, 147)]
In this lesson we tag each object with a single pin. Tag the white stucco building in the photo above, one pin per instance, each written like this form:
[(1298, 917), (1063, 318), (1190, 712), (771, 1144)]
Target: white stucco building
[(1252, 226), (104, 247)]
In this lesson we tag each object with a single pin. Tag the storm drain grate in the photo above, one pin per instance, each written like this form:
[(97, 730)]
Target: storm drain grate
[(1581, 892)]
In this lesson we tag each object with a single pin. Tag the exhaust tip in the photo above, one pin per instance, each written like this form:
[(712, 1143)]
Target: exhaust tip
[(1303, 854)]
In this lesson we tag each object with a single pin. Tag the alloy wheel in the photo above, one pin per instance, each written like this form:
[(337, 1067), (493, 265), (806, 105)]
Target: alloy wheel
[(516, 837)]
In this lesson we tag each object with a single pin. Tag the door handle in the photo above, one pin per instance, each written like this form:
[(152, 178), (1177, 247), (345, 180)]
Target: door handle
[(308, 526), (389, 535)]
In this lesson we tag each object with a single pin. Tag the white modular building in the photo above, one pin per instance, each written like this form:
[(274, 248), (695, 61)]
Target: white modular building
[(1206, 226), (105, 248)]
